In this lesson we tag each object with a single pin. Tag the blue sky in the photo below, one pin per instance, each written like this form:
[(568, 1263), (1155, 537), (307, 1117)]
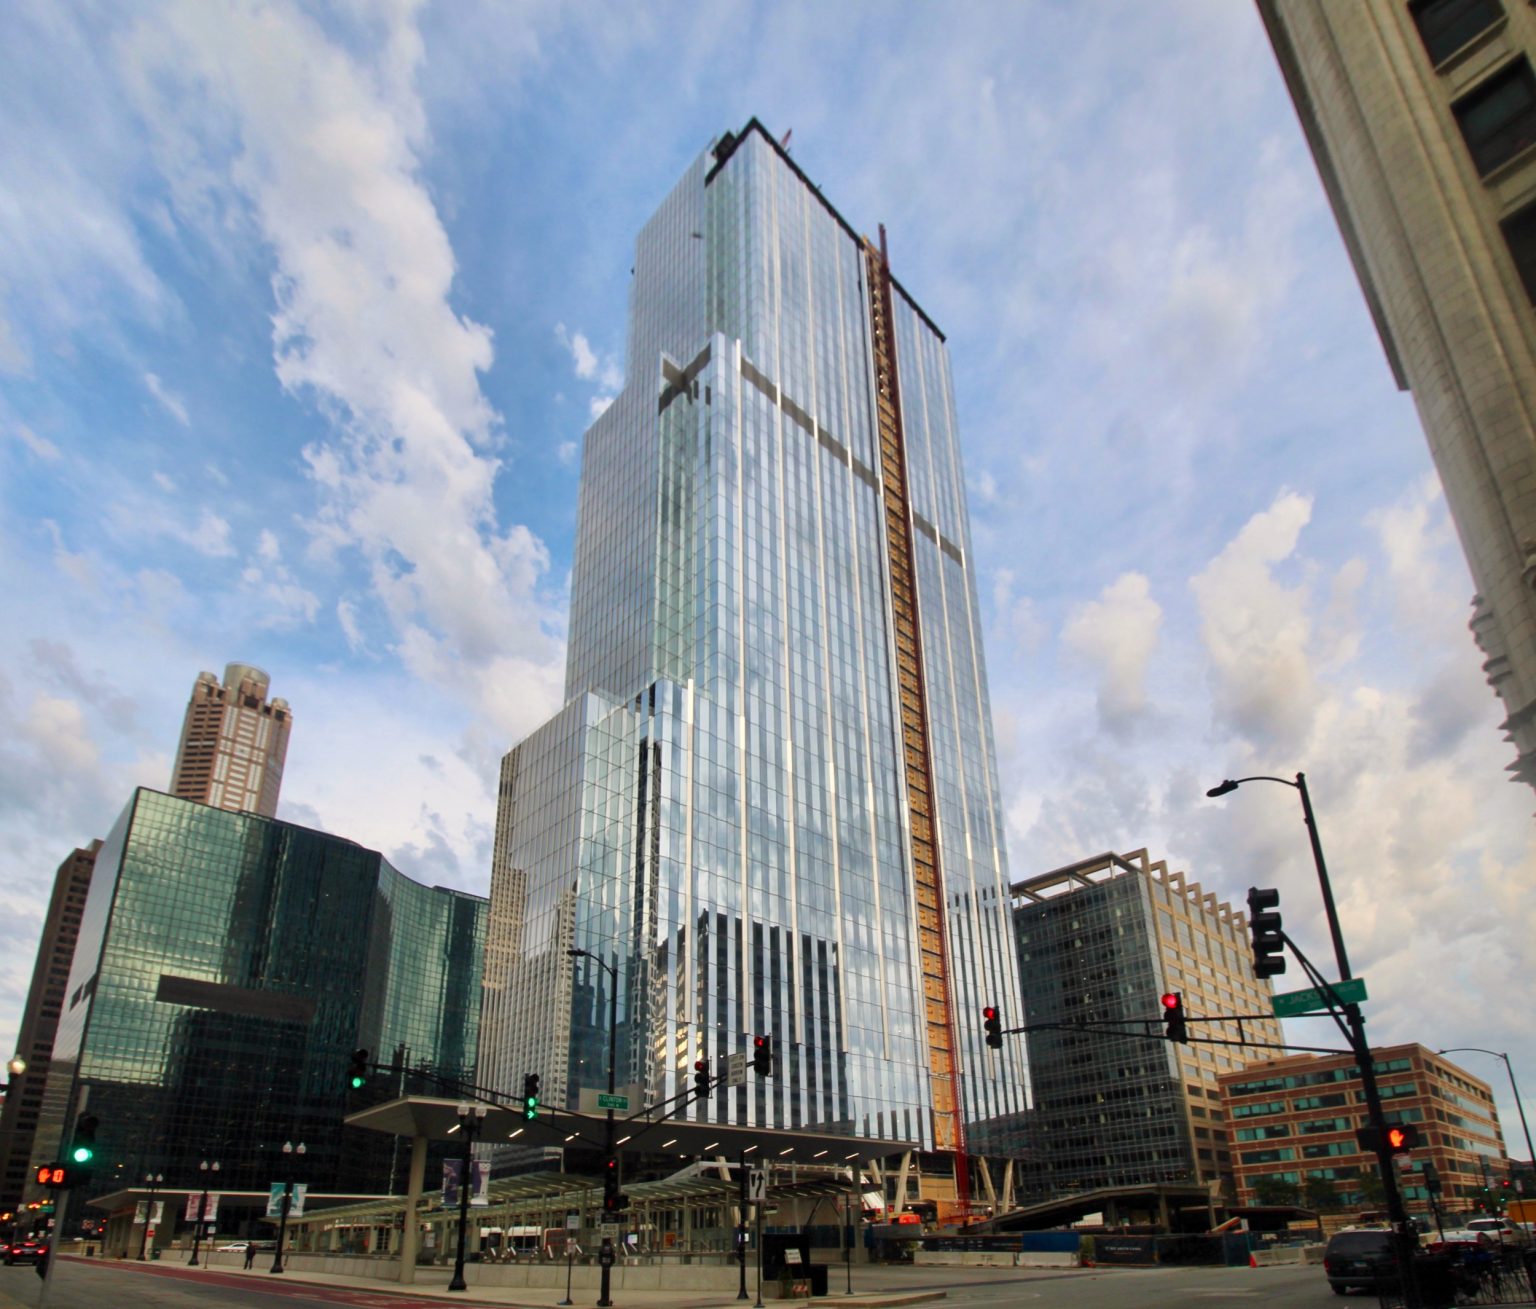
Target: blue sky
[(303, 312)]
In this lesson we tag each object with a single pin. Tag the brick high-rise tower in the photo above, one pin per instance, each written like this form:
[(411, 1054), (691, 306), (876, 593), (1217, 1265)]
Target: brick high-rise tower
[(233, 743)]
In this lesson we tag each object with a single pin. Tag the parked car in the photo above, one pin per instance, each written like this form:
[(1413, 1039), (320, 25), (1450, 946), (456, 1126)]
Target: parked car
[(1501, 1229), (26, 1252), (1462, 1240), (1360, 1257)]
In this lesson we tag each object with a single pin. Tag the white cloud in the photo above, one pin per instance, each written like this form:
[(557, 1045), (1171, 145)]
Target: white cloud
[(569, 453), (209, 537), (346, 615), (605, 371), (1118, 633), (172, 403), (1256, 629), (40, 448), (324, 162), (582, 358)]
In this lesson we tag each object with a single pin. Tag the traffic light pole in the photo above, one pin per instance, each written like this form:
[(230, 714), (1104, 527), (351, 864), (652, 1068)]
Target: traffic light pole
[(1353, 1023)]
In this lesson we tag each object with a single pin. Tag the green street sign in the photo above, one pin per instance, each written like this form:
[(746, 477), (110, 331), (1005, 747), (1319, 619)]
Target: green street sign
[(1315, 1000), (607, 1101)]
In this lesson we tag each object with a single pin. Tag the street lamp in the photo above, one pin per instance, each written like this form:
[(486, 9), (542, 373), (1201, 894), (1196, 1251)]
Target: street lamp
[(471, 1120), (289, 1150), (1499, 1054), (15, 1066), (1300, 784), (204, 1169), (152, 1181), (603, 1299), (1407, 1236)]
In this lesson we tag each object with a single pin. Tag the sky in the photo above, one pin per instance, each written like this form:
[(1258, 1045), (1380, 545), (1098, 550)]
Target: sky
[(304, 310)]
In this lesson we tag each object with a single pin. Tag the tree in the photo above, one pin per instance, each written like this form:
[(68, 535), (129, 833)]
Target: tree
[(1275, 1190), (1320, 1193), (1373, 1191)]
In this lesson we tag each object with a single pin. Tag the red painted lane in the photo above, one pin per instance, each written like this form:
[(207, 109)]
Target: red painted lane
[(287, 1284)]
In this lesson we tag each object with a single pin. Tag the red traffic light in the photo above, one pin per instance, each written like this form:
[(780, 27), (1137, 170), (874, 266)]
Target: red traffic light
[(52, 1175), (1175, 1026), (989, 1012), (1397, 1138)]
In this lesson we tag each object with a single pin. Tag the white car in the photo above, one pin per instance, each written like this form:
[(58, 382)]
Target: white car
[(1501, 1229)]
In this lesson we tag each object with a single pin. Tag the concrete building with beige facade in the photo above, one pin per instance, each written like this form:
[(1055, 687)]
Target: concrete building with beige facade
[(1421, 115), (234, 742), (1100, 942), (1293, 1121)]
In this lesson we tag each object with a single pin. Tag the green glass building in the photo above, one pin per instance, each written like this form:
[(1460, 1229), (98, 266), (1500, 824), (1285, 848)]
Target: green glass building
[(227, 966)]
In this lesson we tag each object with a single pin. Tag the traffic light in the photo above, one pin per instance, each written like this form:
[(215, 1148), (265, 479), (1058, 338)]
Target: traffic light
[(54, 1176), (1173, 1017), (762, 1055), (613, 1201), (357, 1073), (83, 1151), (1264, 923), (1402, 1139), (530, 1096), (700, 1078), (993, 1022)]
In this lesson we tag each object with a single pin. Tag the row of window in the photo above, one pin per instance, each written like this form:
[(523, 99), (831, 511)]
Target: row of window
[(1497, 117)]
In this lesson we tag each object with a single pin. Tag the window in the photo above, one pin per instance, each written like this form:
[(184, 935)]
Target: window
[(1447, 25), (1498, 118), (1520, 233)]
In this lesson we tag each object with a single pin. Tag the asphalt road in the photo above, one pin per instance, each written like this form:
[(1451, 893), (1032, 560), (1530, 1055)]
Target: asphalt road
[(109, 1286)]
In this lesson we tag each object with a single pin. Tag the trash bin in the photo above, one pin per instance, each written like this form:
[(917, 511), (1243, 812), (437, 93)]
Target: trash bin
[(818, 1276)]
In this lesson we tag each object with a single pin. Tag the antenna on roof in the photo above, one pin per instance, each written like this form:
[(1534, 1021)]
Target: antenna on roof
[(784, 140)]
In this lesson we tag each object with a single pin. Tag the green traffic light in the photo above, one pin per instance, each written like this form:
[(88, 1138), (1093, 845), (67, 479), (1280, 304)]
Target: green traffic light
[(358, 1082), (83, 1154)]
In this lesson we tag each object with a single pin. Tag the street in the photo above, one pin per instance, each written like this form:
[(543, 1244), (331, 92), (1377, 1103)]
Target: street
[(82, 1285)]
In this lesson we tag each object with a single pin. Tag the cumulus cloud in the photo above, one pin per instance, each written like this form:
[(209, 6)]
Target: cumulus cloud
[(324, 163), (1118, 633), (1256, 629)]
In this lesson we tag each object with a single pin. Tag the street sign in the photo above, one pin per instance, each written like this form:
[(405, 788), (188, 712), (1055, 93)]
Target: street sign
[(607, 1100), (608, 1231), (1314, 1000), (757, 1186), (736, 1070)]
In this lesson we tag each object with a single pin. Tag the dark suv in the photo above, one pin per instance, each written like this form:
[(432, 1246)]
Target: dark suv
[(1361, 1257)]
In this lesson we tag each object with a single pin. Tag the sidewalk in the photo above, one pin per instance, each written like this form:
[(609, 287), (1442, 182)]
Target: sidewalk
[(434, 1287)]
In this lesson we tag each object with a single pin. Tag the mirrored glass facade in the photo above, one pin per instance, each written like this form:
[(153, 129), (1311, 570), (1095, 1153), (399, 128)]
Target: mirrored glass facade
[(723, 813), (227, 966)]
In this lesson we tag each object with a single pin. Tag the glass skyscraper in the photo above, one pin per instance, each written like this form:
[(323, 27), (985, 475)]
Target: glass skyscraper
[(226, 967), (770, 804)]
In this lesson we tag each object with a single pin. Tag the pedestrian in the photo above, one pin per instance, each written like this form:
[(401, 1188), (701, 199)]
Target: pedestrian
[(250, 1253)]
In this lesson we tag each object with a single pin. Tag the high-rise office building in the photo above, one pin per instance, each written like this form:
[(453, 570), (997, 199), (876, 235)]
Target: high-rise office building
[(233, 743), (226, 968), (770, 805), (1421, 115), (1119, 1104), (40, 1020)]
